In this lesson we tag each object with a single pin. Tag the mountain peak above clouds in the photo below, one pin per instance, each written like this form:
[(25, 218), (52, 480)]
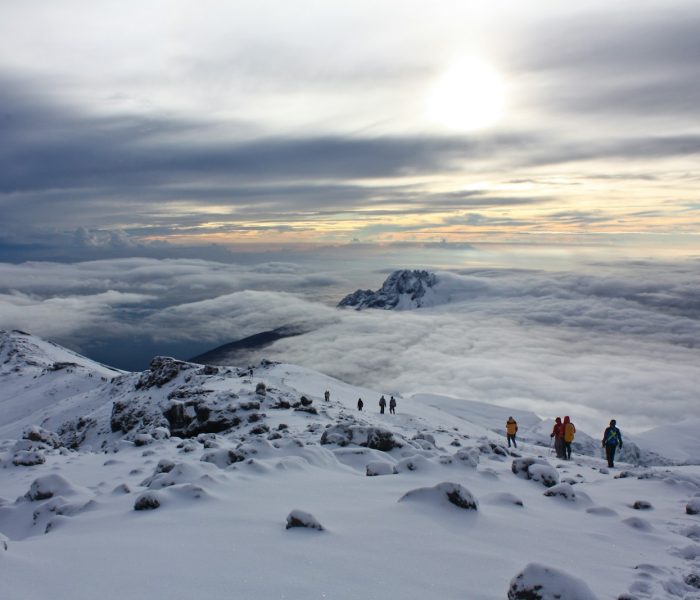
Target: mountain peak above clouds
[(403, 289)]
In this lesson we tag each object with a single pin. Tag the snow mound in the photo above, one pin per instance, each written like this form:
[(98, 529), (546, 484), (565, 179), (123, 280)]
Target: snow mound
[(443, 493), (561, 490), (539, 582)]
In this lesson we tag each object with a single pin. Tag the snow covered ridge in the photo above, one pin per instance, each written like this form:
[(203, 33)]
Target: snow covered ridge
[(250, 476), (403, 289)]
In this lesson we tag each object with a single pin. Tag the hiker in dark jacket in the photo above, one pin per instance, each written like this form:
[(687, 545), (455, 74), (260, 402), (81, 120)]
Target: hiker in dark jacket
[(326, 395), (612, 440), (382, 405), (392, 405), (360, 404)]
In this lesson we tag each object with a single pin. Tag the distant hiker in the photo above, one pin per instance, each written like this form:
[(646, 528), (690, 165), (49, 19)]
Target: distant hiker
[(392, 406), (511, 430), (382, 405), (327, 395), (360, 404), (568, 432), (558, 435), (612, 440)]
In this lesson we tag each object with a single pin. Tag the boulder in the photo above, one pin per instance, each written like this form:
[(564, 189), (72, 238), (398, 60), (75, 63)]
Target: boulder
[(39, 434), (547, 475), (28, 458), (562, 490), (49, 486), (693, 507)]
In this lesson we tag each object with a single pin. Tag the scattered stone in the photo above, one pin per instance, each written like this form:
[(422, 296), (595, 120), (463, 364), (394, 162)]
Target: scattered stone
[(260, 429), (305, 401), (693, 580), (281, 404), (538, 582), (642, 505), (261, 389), (299, 518)]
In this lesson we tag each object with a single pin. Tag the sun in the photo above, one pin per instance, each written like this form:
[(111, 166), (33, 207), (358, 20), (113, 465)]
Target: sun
[(469, 95)]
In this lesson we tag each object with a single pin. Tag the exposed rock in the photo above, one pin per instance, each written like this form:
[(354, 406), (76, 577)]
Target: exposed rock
[(162, 370), (642, 505), (299, 518), (693, 507), (370, 437), (305, 401), (312, 410), (538, 582), (143, 439), (402, 289), (468, 457), (39, 434), (547, 475), (136, 415), (261, 389)]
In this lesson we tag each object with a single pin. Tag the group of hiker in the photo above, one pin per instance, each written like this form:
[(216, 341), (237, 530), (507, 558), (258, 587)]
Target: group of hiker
[(563, 434), (361, 404), (382, 405)]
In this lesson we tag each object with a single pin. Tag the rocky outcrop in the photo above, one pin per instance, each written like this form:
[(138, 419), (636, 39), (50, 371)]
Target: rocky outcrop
[(402, 289)]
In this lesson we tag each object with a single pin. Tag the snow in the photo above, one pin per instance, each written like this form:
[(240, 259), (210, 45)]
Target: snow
[(206, 516)]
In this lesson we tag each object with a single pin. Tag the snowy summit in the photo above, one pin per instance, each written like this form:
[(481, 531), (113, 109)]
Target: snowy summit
[(190, 480), (403, 289)]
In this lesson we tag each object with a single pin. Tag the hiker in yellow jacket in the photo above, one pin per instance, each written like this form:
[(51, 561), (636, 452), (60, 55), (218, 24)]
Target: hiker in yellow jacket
[(569, 430), (511, 430)]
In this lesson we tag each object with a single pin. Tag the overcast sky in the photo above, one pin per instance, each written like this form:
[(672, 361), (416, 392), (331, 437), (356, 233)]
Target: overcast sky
[(145, 127)]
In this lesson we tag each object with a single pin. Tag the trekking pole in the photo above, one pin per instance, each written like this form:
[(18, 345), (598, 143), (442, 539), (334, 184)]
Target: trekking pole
[(551, 446)]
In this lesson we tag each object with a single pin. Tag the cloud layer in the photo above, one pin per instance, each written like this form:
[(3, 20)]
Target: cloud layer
[(616, 341)]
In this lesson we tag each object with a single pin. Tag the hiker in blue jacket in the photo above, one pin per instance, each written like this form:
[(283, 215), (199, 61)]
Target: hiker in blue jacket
[(612, 439)]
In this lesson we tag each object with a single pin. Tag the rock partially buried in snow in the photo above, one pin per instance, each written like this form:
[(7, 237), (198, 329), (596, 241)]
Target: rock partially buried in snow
[(39, 434), (446, 492), (538, 582), (28, 458), (561, 490), (48, 486), (299, 518), (379, 467), (693, 507), (147, 501), (547, 475)]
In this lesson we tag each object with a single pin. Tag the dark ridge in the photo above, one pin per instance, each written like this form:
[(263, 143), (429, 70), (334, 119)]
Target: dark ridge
[(227, 354)]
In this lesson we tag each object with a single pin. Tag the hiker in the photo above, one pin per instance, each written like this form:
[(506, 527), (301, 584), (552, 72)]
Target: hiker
[(360, 404), (612, 439), (558, 435), (392, 406), (382, 405), (568, 431), (511, 430), (327, 395)]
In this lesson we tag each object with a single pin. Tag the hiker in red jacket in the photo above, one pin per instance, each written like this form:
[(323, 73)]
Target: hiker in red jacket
[(558, 435)]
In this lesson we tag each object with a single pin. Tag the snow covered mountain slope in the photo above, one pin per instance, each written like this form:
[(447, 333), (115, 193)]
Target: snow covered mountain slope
[(196, 481), (41, 381)]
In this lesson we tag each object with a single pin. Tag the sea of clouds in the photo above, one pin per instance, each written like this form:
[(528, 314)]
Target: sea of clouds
[(615, 340)]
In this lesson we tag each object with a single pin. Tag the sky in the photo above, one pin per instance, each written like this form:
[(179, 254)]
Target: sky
[(176, 176), (183, 130)]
